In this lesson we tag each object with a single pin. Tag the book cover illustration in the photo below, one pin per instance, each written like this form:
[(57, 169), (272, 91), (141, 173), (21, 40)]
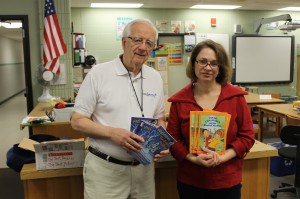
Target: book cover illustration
[(135, 121), (208, 129), (156, 140)]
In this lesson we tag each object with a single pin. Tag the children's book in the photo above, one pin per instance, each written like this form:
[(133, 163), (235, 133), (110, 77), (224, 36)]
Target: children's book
[(208, 129), (135, 121), (156, 140)]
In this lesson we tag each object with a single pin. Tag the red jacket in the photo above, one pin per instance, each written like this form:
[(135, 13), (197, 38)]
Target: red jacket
[(240, 136)]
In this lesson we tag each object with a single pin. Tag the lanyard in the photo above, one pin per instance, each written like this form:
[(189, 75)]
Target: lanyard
[(137, 99)]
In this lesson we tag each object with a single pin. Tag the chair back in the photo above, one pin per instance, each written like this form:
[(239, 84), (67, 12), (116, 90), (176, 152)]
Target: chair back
[(290, 134)]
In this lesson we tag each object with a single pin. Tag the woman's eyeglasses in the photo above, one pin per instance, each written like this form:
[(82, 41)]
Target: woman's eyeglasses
[(139, 41), (204, 63)]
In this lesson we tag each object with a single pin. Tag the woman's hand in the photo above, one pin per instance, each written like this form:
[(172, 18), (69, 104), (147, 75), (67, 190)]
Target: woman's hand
[(161, 154), (207, 159), (215, 156)]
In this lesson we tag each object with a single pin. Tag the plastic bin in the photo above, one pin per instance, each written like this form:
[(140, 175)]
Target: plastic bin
[(288, 98), (279, 165)]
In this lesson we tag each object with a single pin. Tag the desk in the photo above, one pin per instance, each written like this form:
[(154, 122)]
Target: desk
[(278, 110), (58, 129), (253, 99), (68, 183)]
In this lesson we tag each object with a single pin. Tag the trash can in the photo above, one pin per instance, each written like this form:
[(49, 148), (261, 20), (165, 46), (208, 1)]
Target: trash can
[(289, 98), (280, 166)]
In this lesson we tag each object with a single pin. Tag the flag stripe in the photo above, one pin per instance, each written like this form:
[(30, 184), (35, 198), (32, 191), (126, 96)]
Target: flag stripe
[(53, 65), (58, 36)]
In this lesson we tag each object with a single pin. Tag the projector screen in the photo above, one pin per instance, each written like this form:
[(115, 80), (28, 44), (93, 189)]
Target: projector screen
[(262, 59)]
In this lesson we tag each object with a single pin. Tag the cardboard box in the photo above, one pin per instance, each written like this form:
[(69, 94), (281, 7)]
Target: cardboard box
[(58, 154), (63, 114)]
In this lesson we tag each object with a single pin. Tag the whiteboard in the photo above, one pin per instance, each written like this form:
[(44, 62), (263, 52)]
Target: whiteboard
[(222, 39), (263, 59)]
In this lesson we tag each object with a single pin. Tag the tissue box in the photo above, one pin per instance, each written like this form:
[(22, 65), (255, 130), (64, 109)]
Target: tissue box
[(63, 114)]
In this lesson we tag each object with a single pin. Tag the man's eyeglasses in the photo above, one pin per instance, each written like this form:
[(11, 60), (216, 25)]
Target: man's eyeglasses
[(140, 41), (204, 63)]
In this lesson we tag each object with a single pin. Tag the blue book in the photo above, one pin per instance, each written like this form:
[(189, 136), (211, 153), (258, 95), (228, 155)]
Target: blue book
[(156, 140), (135, 121)]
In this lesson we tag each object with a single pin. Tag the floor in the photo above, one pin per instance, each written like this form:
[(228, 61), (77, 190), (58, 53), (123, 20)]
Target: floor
[(11, 114), (10, 179)]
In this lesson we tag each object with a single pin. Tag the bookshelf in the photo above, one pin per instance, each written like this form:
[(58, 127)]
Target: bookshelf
[(79, 50)]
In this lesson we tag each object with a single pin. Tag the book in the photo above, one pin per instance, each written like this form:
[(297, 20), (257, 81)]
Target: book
[(156, 140), (208, 129), (135, 121)]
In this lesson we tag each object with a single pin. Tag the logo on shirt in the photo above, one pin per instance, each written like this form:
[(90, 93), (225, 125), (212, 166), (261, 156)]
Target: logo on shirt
[(150, 94)]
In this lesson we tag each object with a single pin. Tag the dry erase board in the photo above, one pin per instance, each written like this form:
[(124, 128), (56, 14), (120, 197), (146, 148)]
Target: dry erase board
[(262, 59)]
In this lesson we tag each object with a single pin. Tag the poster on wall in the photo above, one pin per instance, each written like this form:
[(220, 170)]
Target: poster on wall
[(121, 23), (162, 63), (189, 26), (222, 39), (174, 53), (162, 26), (175, 26), (189, 43)]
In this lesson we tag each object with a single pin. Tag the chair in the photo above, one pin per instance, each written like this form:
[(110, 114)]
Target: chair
[(290, 134)]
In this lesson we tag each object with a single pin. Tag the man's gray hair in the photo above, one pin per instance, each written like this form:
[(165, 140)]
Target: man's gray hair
[(127, 30)]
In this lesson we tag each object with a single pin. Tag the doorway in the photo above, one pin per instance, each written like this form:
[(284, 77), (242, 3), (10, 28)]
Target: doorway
[(26, 52)]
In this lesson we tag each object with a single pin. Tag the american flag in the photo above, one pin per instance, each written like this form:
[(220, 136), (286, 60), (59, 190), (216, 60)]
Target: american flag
[(54, 45)]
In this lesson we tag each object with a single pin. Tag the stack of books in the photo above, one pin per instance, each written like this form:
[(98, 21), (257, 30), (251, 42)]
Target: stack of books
[(208, 129)]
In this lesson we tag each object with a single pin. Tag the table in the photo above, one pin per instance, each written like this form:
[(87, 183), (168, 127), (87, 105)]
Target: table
[(253, 99), (278, 110), (68, 183), (58, 129)]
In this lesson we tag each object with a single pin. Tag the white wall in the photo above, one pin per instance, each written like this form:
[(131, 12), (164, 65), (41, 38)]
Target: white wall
[(12, 77)]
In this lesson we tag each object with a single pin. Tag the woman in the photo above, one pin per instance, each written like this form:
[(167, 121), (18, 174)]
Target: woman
[(210, 175)]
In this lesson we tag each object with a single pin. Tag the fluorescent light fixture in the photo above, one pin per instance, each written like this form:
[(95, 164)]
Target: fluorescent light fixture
[(290, 9), (116, 5), (11, 24), (215, 7)]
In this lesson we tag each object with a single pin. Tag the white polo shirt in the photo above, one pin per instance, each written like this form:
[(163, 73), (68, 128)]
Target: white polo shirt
[(107, 97)]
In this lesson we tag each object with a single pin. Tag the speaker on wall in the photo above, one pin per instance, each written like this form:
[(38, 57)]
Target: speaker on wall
[(237, 28)]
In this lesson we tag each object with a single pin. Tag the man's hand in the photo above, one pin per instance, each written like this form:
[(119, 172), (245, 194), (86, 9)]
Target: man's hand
[(127, 140)]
